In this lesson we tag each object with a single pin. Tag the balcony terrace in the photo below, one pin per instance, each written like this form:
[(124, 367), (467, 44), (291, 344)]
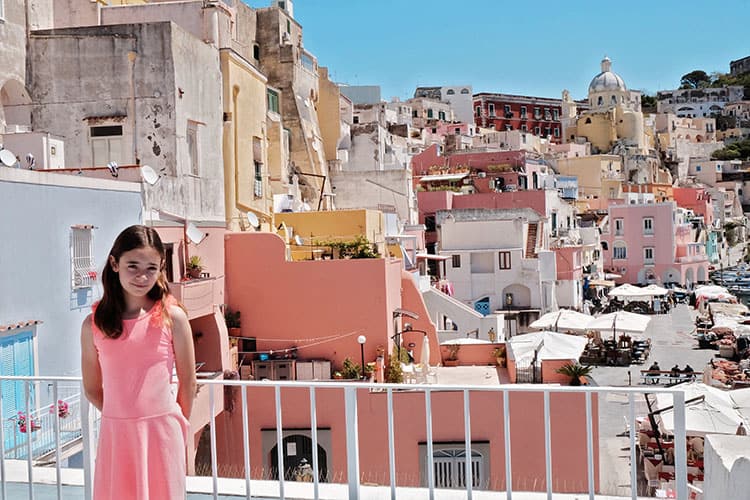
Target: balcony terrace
[(442, 476)]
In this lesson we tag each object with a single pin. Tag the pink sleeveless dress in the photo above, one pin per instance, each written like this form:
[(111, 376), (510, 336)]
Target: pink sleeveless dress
[(143, 434)]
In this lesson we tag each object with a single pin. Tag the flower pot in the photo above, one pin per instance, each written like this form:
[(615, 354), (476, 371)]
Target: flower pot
[(451, 362), (195, 272)]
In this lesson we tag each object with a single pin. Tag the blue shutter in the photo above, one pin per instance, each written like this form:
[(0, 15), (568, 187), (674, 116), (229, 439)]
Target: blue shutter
[(16, 358)]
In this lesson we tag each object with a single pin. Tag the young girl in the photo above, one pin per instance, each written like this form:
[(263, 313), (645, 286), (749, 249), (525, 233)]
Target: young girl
[(130, 343)]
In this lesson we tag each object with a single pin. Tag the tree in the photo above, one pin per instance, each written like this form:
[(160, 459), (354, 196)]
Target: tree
[(695, 79)]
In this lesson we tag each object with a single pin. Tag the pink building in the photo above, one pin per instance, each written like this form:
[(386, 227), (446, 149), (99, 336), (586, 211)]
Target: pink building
[(654, 243), (697, 200), (317, 309)]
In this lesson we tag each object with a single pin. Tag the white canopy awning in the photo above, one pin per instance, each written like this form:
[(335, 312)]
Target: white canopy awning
[(547, 345), (564, 319), (443, 177), (620, 321)]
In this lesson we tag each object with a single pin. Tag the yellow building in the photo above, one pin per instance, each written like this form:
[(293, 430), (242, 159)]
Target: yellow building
[(614, 114), (335, 112), (313, 228), (246, 178), (599, 176)]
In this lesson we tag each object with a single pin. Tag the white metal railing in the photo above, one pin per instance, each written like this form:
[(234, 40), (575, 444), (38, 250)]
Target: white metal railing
[(353, 474)]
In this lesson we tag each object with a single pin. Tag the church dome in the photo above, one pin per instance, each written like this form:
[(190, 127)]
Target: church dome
[(607, 79)]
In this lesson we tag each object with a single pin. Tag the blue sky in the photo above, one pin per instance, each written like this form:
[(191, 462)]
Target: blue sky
[(521, 47)]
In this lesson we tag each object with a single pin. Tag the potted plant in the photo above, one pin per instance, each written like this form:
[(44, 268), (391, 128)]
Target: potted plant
[(499, 355), (233, 321), (575, 371), (452, 359), (351, 370), (195, 266), (393, 373)]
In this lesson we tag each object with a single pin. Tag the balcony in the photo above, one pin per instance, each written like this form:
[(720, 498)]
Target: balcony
[(199, 296), (346, 466)]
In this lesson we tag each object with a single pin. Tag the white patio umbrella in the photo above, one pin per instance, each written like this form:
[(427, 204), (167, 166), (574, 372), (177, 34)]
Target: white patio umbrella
[(655, 290), (627, 291), (564, 319), (620, 321), (714, 413)]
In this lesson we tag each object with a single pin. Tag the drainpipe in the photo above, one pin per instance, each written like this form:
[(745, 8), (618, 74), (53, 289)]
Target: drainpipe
[(132, 55), (236, 142)]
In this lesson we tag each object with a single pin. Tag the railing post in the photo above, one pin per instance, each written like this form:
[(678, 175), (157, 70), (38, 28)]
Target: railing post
[(680, 445), (89, 450), (352, 442)]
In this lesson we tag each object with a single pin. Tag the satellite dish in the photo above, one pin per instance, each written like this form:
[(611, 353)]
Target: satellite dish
[(7, 158), (252, 219), (149, 175), (298, 241), (194, 234)]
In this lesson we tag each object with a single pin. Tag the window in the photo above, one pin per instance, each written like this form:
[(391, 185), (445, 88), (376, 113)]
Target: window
[(429, 223), (456, 262), (256, 52), (506, 108), (457, 130), (464, 91), (697, 168), (451, 92), (106, 144), (191, 137), (479, 110), (556, 114), (537, 112), (536, 130), (414, 113), (2, 9), (355, 119), (16, 358), (450, 468), (441, 115), (523, 111), (273, 100), (619, 227), (620, 251), (288, 26), (557, 132), (82, 268), (258, 182), (648, 255), (523, 129), (258, 163), (600, 101), (508, 127), (429, 113), (504, 260), (648, 225), (491, 108)]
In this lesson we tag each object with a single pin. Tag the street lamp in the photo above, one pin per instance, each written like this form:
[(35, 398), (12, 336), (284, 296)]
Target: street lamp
[(362, 339)]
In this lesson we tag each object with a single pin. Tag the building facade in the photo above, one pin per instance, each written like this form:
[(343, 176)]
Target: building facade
[(536, 115)]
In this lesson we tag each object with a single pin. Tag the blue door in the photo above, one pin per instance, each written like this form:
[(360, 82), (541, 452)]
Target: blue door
[(16, 358), (482, 306)]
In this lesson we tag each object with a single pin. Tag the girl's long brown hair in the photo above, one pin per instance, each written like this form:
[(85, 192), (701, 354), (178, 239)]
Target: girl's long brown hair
[(108, 313)]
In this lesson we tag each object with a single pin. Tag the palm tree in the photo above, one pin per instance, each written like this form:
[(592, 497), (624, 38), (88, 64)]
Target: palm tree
[(575, 371)]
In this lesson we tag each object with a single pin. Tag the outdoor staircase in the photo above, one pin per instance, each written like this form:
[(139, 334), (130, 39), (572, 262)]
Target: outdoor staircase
[(531, 241)]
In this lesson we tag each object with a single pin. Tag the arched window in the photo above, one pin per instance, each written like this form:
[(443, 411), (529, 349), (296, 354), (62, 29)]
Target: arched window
[(451, 92), (600, 101), (588, 120), (464, 91), (613, 99)]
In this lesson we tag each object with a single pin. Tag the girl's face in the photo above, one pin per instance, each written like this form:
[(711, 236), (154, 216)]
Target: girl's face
[(138, 270)]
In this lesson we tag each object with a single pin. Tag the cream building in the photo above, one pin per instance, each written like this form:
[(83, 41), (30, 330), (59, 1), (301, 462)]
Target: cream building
[(614, 115), (599, 176)]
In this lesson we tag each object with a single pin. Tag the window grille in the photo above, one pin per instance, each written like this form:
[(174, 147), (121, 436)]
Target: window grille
[(450, 468), (83, 270)]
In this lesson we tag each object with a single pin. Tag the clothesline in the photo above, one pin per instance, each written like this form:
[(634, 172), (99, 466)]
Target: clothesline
[(319, 341)]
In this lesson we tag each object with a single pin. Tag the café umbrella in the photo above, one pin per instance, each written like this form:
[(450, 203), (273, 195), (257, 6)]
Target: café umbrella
[(563, 319), (620, 321)]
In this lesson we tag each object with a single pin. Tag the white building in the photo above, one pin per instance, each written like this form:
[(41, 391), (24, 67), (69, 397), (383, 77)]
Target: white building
[(499, 261), (459, 96), (697, 103)]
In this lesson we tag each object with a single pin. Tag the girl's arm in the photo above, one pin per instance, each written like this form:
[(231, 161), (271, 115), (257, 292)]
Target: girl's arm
[(90, 368), (184, 356)]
